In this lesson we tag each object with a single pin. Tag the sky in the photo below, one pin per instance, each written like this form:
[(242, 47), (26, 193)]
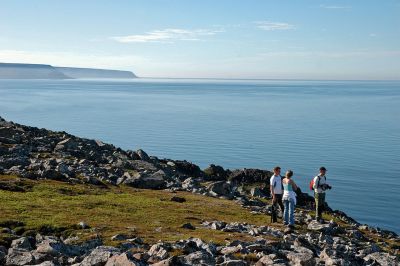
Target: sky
[(208, 38)]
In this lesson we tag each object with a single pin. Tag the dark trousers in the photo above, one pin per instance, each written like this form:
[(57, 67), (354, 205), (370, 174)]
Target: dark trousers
[(275, 203), (319, 204)]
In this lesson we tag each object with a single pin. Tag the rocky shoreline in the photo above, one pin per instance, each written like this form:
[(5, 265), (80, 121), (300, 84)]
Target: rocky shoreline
[(37, 154)]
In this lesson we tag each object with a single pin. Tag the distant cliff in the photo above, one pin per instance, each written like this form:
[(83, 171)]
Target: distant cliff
[(82, 73), (40, 71), (30, 71)]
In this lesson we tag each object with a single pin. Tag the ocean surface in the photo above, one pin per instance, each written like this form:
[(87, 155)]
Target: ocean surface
[(350, 127)]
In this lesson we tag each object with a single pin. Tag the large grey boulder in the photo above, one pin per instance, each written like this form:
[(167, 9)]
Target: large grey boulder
[(99, 256), (54, 247), (143, 155), (382, 259), (21, 243), (124, 259), (153, 181), (264, 261), (199, 258), (159, 251), (301, 256), (215, 173), (16, 257), (66, 145), (316, 226), (220, 188)]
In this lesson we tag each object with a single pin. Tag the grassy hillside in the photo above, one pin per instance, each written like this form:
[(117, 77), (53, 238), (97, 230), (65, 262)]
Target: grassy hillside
[(59, 207)]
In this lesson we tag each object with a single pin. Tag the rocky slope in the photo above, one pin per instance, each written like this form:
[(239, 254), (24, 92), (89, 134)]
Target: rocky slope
[(37, 154)]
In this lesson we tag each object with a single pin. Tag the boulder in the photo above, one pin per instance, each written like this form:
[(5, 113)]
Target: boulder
[(159, 251), (234, 263), (199, 258), (250, 176), (119, 237), (21, 243), (178, 199), (18, 256), (220, 188), (143, 155), (172, 261), (382, 259), (264, 261), (215, 173), (188, 169), (124, 259), (188, 226), (66, 145), (83, 225), (316, 226), (99, 256), (301, 256), (190, 184), (154, 181), (257, 192)]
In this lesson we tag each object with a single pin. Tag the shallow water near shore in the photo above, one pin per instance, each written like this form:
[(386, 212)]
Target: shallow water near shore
[(350, 127)]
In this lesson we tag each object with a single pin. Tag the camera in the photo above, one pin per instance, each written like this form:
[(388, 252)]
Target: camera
[(325, 186)]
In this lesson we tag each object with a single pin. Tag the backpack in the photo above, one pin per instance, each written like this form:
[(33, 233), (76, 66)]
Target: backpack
[(312, 183)]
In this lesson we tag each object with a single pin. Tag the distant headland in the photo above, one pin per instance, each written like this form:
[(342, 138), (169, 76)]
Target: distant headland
[(41, 71)]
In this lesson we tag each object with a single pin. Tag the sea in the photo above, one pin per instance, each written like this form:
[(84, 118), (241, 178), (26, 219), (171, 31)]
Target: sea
[(350, 127)]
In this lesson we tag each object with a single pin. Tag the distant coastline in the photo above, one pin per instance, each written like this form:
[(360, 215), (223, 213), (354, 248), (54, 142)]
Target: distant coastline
[(42, 71)]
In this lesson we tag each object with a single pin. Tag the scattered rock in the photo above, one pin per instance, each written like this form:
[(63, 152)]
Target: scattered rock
[(188, 226), (99, 256), (178, 199)]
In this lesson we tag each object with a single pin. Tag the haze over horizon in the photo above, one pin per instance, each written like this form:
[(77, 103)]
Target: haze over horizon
[(208, 39)]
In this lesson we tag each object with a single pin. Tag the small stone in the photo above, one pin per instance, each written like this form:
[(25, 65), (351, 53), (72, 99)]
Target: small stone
[(119, 237), (178, 199), (188, 226), (83, 225)]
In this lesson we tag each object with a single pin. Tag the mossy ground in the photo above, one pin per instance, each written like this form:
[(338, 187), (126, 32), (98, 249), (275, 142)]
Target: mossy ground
[(53, 207), (56, 206)]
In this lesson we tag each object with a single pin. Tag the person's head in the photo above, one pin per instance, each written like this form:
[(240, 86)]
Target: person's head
[(277, 170), (322, 170), (289, 174)]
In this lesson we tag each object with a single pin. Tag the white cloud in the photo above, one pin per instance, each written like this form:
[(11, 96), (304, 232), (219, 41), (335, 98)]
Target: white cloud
[(335, 7), (372, 35), (269, 26), (167, 35), (389, 53), (123, 62)]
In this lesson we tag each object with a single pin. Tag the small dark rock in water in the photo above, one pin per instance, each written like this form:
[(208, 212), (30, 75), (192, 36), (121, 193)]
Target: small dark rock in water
[(188, 226), (178, 199)]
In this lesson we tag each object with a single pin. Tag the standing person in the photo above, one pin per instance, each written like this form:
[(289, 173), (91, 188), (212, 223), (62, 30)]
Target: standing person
[(275, 185), (320, 186), (289, 198)]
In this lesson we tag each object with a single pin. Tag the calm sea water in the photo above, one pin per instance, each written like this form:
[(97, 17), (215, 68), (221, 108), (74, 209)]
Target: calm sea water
[(352, 128)]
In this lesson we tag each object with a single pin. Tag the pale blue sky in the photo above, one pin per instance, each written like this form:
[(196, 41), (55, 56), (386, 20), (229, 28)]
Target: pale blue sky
[(224, 38)]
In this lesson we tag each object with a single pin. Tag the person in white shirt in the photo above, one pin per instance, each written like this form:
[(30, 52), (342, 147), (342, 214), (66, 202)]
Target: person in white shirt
[(275, 185), (320, 186)]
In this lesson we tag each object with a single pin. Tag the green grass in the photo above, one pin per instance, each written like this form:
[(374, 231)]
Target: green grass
[(58, 207)]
